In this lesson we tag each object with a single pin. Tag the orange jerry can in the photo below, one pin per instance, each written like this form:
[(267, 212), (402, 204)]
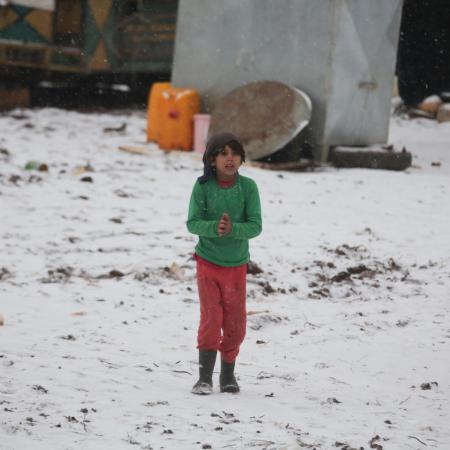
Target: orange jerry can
[(178, 107), (154, 110)]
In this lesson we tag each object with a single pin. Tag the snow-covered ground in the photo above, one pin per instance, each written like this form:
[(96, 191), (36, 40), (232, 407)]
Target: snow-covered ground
[(348, 327)]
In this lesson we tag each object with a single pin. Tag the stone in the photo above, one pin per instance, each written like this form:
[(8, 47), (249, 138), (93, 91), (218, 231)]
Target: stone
[(370, 158), (443, 114), (430, 104)]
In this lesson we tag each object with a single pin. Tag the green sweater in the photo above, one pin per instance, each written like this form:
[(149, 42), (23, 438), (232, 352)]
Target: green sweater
[(208, 202)]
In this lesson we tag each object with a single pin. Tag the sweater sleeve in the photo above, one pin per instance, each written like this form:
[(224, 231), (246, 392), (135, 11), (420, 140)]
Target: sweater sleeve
[(252, 227), (196, 223)]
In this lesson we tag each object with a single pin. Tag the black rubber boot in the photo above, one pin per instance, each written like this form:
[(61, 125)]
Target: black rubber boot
[(206, 362), (228, 381)]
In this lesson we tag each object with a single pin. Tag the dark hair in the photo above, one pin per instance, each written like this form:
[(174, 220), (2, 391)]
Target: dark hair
[(236, 146), (215, 145)]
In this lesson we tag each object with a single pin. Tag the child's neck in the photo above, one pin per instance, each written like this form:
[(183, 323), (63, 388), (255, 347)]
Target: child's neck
[(225, 182)]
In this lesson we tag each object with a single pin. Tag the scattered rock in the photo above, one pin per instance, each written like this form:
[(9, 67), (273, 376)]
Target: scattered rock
[(35, 165), (346, 250), (2, 320), (323, 264), (357, 269), (346, 446), (4, 274), (14, 179), (374, 444), (111, 274), (121, 194), (71, 419), (361, 270), (59, 275), (87, 179), (83, 169), (158, 403), (267, 288), (4, 154), (69, 337), (341, 276), (253, 268), (174, 271), (119, 129), (39, 388), (34, 179), (430, 104), (266, 375), (332, 400), (228, 418), (30, 421), (392, 265), (259, 321), (316, 294), (142, 276), (428, 386), (443, 114)]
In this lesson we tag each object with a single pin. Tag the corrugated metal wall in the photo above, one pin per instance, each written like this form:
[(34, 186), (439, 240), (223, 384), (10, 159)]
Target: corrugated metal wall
[(340, 52)]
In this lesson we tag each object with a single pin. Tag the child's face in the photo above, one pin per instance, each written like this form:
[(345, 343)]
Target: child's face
[(227, 163)]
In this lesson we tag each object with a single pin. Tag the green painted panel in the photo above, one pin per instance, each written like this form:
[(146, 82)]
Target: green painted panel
[(59, 58), (144, 40), (156, 67), (108, 33), (136, 40), (141, 41), (91, 33), (21, 10), (20, 31)]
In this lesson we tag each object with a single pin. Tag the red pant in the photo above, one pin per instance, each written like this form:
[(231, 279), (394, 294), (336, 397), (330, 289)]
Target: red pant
[(223, 315)]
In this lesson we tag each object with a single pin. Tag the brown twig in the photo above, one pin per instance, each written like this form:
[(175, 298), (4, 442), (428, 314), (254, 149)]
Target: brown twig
[(417, 439)]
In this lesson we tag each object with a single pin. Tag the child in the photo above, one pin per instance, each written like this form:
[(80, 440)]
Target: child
[(225, 212)]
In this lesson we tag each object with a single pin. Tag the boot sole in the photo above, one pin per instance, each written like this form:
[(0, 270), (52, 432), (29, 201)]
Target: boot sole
[(230, 389), (201, 392), (202, 389)]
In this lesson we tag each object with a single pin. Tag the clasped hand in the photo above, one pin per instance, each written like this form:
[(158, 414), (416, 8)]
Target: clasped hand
[(224, 225)]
